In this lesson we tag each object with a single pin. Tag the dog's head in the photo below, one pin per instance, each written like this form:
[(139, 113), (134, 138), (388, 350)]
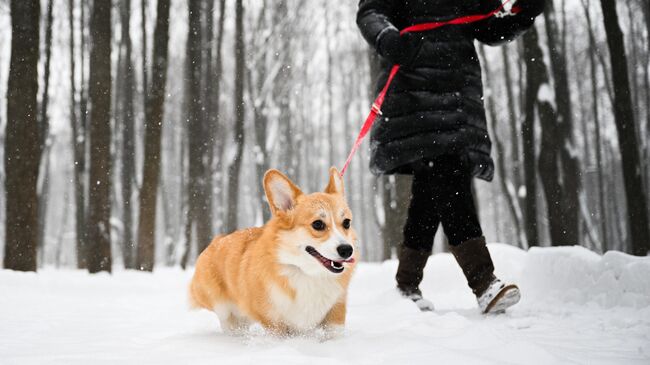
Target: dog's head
[(314, 230)]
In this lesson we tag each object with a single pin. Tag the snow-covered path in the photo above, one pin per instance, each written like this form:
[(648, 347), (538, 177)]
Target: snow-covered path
[(577, 307)]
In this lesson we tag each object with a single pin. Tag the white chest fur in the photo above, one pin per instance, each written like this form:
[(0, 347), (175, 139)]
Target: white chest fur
[(314, 298)]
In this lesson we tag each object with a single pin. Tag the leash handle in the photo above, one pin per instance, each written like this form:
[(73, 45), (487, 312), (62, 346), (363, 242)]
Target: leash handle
[(375, 110)]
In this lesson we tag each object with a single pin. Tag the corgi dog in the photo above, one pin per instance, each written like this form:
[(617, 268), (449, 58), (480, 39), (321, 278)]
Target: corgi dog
[(290, 275)]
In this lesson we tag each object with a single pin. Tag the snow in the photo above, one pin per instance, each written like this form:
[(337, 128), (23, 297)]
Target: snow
[(546, 94), (577, 307)]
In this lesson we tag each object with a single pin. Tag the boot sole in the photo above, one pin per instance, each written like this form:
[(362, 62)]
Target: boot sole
[(424, 305), (507, 297)]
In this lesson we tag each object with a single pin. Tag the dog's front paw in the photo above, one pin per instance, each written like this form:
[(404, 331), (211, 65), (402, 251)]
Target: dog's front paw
[(332, 332)]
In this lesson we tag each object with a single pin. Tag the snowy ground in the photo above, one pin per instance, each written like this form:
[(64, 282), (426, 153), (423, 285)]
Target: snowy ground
[(577, 307)]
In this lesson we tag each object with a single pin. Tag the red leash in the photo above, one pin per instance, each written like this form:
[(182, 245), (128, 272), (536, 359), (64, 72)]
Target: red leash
[(376, 105)]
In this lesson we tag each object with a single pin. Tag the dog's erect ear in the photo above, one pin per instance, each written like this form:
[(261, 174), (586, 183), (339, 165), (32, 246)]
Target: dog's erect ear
[(335, 185), (280, 191)]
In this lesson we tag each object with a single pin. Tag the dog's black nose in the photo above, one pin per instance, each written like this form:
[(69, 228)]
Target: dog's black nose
[(345, 250)]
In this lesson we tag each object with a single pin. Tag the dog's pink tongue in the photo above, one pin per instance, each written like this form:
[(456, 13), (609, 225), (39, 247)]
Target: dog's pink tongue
[(350, 260)]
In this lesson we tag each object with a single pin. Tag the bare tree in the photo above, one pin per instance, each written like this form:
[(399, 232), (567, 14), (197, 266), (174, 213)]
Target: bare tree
[(99, 203), (282, 85), (564, 222), (216, 136), (83, 82), (22, 139), (533, 60), (637, 206), (645, 6), (329, 81), (235, 167), (145, 74), (257, 82), (153, 132), (512, 119), (78, 150), (208, 97), (507, 189), (199, 193), (604, 231), (44, 131), (127, 172)]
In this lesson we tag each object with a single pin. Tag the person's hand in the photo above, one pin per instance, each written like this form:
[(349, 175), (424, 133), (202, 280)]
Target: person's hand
[(399, 49), (530, 8)]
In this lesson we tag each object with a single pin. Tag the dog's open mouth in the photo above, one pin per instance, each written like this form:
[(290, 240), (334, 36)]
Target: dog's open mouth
[(331, 265)]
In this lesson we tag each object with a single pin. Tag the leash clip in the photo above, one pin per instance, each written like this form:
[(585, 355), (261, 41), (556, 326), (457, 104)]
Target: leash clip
[(376, 109)]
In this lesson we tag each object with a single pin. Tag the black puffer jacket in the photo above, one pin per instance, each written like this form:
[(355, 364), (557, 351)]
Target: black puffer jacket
[(435, 104)]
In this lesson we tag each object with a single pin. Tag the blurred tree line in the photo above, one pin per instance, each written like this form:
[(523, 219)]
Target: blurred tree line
[(130, 135)]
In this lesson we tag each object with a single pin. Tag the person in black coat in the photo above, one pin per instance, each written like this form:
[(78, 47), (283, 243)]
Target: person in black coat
[(433, 126)]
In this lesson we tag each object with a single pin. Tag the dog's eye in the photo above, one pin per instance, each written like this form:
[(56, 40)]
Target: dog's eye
[(318, 225), (346, 223)]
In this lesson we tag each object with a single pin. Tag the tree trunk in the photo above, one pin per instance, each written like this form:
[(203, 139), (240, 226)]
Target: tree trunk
[(153, 132), (78, 148), (632, 66), (568, 208), (169, 241), (329, 82), (396, 191), (83, 82), (604, 231), (21, 138), (260, 120), (282, 86), (145, 74), (207, 90), (186, 226), (43, 197), (128, 137), (200, 197), (259, 95), (531, 58), (239, 107), (44, 133), (62, 227), (216, 133), (646, 82), (512, 114), (620, 238), (549, 171), (637, 213), (99, 203), (549, 152), (43, 120), (207, 38), (510, 194)]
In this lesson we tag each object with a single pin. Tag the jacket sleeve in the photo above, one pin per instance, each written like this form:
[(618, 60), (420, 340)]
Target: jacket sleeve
[(497, 30), (374, 18)]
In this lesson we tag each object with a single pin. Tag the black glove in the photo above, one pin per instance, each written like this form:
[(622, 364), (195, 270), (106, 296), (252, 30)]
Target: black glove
[(398, 49), (530, 8)]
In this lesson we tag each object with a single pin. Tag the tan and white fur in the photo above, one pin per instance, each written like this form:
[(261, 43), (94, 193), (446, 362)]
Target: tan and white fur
[(290, 275)]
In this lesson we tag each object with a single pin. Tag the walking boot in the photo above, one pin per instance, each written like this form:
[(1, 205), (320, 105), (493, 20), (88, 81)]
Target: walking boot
[(492, 294), (409, 275)]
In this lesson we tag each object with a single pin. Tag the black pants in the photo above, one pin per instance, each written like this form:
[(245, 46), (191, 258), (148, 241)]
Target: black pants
[(441, 193)]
